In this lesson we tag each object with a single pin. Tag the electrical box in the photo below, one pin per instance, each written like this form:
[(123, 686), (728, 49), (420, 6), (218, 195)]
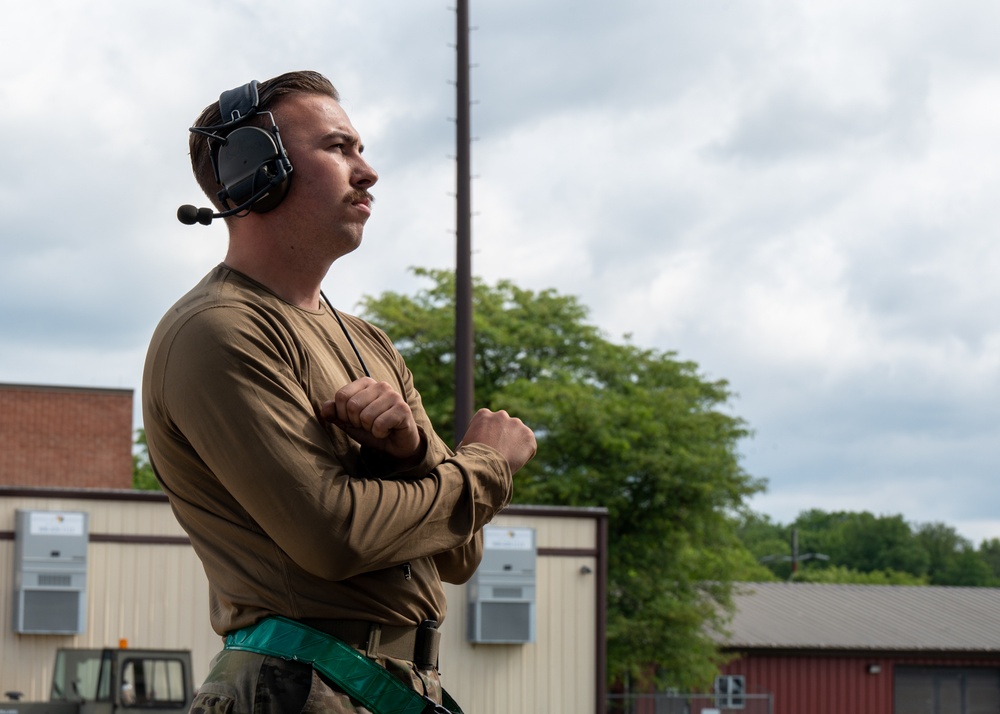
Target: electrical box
[(50, 572), (502, 590)]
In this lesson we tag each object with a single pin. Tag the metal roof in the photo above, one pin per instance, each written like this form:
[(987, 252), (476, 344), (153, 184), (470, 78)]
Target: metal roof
[(864, 617)]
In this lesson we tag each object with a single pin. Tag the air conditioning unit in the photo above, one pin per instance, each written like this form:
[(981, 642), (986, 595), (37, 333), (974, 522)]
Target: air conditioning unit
[(502, 590), (50, 572)]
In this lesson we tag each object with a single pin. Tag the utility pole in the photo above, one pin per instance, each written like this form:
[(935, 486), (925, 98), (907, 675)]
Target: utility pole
[(464, 357), (795, 551), (795, 558)]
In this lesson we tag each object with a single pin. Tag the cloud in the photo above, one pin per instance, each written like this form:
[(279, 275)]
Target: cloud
[(798, 197)]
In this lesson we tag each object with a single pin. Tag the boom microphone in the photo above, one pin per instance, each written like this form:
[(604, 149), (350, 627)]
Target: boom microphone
[(189, 215)]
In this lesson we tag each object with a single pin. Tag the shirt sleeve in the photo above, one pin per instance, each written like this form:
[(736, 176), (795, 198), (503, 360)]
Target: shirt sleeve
[(232, 391), (459, 564)]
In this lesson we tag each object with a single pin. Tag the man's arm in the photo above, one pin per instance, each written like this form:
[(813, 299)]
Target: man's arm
[(378, 417), (260, 453), (458, 564)]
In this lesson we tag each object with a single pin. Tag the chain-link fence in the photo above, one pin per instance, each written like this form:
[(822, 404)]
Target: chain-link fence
[(673, 703)]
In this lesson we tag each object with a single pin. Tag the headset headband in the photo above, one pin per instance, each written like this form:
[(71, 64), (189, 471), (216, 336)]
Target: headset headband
[(239, 104)]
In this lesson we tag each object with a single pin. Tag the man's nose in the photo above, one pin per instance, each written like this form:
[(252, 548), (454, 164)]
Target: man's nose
[(364, 174)]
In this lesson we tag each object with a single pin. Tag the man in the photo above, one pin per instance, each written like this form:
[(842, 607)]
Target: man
[(313, 494)]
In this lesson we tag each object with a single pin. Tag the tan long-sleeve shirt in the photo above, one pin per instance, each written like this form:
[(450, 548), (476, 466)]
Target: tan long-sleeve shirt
[(288, 514)]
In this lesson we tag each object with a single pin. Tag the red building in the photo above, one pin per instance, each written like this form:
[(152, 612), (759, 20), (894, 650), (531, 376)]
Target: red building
[(862, 649), (65, 437)]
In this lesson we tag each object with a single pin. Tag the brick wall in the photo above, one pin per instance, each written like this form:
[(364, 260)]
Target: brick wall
[(65, 437)]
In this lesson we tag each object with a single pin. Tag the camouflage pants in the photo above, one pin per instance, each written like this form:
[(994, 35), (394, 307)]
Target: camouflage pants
[(248, 683)]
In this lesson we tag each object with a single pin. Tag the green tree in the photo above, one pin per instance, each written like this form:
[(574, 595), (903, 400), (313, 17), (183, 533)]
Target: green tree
[(142, 472), (634, 430), (966, 569), (953, 559), (881, 543), (822, 532), (769, 543), (989, 551), (841, 575), (885, 547)]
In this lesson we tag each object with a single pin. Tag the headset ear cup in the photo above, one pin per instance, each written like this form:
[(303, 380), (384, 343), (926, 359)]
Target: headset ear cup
[(249, 161), (277, 174)]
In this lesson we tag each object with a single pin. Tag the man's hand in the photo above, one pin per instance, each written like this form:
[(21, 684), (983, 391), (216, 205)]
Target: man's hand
[(504, 433), (376, 415)]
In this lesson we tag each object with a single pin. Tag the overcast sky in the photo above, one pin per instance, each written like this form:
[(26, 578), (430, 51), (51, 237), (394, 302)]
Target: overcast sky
[(800, 197)]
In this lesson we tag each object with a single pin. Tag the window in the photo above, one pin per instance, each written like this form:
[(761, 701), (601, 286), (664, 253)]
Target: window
[(152, 682), (76, 675), (729, 690)]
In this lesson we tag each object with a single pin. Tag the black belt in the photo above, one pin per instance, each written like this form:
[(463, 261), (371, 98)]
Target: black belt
[(418, 644)]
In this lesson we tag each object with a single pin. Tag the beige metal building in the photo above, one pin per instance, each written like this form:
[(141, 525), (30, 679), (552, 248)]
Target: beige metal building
[(145, 585)]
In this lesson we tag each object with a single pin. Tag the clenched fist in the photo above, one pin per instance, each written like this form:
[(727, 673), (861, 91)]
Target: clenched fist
[(505, 433), (375, 415)]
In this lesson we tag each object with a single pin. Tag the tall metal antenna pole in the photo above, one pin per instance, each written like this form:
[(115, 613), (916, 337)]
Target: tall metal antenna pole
[(464, 357)]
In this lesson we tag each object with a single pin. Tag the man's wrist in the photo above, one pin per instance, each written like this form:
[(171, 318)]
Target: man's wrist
[(418, 454), (382, 464)]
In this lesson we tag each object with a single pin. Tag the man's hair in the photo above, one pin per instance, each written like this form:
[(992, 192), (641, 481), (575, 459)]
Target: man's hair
[(271, 92)]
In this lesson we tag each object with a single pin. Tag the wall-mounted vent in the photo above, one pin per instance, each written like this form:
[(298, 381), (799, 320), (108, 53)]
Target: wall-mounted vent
[(50, 572), (502, 590)]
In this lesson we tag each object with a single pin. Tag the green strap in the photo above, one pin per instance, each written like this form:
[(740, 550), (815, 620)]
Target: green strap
[(360, 677)]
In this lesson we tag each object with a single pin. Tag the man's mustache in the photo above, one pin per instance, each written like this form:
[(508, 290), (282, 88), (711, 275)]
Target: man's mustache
[(358, 195)]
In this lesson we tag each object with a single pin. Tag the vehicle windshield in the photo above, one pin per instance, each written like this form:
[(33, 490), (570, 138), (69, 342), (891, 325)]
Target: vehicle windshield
[(76, 675), (153, 682)]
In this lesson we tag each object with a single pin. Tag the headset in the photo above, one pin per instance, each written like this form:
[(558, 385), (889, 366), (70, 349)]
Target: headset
[(252, 167), (250, 162)]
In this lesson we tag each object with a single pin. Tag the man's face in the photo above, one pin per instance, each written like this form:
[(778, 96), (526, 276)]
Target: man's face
[(328, 201)]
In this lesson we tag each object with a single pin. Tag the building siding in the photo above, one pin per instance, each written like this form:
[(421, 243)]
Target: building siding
[(818, 683), (555, 673), (61, 437), (146, 585)]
